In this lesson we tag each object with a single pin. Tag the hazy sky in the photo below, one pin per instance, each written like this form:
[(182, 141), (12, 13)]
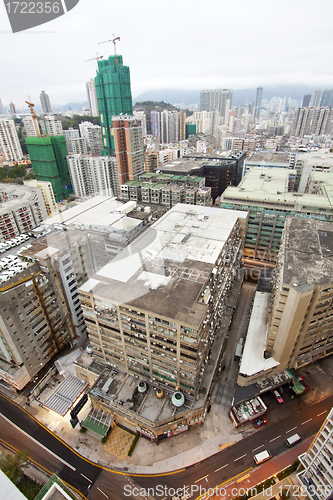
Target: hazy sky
[(178, 44)]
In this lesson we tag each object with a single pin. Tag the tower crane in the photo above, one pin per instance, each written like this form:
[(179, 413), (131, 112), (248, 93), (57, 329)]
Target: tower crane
[(113, 40), (34, 117)]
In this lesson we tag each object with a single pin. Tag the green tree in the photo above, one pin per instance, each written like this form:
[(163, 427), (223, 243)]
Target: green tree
[(18, 171), (28, 177), (13, 465)]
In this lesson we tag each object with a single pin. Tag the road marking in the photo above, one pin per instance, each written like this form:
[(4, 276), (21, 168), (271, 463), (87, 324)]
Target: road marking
[(87, 478), (222, 446), (306, 421), (242, 478), (102, 492), (322, 413), (226, 465), (240, 457), (291, 429), (201, 478), (277, 437), (255, 449), (40, 444)]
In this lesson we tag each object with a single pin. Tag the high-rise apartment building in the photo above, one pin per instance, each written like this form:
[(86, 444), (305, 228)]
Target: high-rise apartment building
[(312, 121), (12, 108), (48, 161), (258, 102), (306, 100), (165, 127), (50, 126), (129, 148), (155, 312), (182, 125), (93, 136), (93, 175), (215, 99), (48, 195), (31, 126), (9, 140), (70, 135), (155, 123), (301, 322), (141, 117), (114, 97), (2, 109), (92, 98), (317, 476), (22, 209), (315, 99), (34, 322), (326, 98), (173, 126), (45, 102)]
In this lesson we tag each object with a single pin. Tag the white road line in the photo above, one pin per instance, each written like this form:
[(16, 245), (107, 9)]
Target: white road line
[(39, 444), (226, 465), (102, 492), (277, 437), (87, 478), (322, 413), (240, 457), (255, 449), (291, 429), (201, 478), (306, 421)]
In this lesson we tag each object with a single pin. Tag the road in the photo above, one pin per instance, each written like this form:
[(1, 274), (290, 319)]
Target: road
[(97, 483)]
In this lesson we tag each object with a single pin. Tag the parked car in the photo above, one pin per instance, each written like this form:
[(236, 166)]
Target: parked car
[(277, 396), (258, 423)]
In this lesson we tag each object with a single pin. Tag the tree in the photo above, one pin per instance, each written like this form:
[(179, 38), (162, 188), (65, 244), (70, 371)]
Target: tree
[(13, 465)]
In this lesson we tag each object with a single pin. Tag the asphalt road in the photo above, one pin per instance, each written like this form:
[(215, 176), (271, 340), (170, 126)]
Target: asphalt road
[(97, 483)]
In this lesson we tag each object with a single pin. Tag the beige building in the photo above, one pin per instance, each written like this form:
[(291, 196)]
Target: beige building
[(48, 195), (294, 323), (155, 311)]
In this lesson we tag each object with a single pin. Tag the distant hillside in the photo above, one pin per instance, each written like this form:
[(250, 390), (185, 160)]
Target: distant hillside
[(240, 96)]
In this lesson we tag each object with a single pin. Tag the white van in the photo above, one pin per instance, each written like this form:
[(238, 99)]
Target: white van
[(262, 457), (295, 438)]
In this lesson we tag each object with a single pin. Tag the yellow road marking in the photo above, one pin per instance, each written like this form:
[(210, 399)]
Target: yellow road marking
[(242, 478), (222, 446)]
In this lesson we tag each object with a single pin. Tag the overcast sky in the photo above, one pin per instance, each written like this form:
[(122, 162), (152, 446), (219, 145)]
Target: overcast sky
[(178, 44)]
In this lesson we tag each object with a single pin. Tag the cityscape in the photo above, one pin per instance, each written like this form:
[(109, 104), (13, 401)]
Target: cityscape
[(166, 284)]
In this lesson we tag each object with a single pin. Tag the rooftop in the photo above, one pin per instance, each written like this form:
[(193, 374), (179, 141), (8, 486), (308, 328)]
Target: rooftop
[(308, 253), (269, 186), (165, 268), (268, 157)]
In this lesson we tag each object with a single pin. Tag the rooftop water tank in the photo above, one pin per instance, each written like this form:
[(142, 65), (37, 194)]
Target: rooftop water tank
[(178, 399), (142, 386)]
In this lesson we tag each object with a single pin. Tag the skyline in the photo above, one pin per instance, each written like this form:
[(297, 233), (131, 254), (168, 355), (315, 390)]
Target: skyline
[(226, 46)]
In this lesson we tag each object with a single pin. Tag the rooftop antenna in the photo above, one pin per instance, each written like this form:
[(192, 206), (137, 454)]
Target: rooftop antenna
[(113, 40)]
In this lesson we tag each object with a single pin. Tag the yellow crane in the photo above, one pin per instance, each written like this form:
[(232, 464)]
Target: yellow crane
[(34, 117)]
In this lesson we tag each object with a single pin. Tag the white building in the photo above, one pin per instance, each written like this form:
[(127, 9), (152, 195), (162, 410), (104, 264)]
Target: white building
[(141, 115), (48, 195), (70, 135), (317, 476), (31, 126), (9, 140), (92, 134), (93, 175), (92, 98), (50, 126)]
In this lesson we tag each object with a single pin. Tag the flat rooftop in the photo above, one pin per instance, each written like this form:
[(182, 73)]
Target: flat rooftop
[(95, 213), (165, 268), (268, 157), (121, 390), (17, 196), (308, 253), (269, 187), (253, 360)]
